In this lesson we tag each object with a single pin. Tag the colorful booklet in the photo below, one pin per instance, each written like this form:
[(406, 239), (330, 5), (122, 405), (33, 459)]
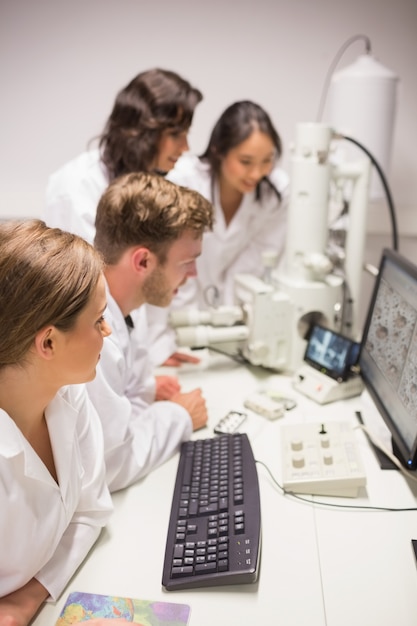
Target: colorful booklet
[(81, 607)]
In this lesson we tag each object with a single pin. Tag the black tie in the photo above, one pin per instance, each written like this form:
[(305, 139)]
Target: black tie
[(129, 321)]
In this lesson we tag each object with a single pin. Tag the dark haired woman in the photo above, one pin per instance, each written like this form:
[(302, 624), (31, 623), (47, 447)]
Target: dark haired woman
[(239, 173), (146, 131)]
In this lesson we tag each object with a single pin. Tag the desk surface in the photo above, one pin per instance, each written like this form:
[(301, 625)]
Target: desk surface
[(319, 566)]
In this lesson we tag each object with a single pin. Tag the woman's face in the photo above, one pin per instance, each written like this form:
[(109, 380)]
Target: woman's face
[(79, 349), (247, 163), (171, 146)]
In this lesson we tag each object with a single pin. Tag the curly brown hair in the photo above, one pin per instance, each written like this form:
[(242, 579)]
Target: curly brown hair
[(154, 101)]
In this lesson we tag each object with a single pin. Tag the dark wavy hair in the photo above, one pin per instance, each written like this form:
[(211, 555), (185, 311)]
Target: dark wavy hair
[(154, 101), (233, 127)]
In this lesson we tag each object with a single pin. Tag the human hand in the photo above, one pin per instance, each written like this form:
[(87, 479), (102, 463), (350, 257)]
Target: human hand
[(178, 358), (195, 404), (11, 617), (166, 387), (20, 606)]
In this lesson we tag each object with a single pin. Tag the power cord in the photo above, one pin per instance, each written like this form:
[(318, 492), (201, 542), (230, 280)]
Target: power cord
[(238, 357), (330, 504), (384, 184)]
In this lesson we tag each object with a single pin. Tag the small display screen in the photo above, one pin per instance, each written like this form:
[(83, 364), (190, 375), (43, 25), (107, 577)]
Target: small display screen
[(331, 353)]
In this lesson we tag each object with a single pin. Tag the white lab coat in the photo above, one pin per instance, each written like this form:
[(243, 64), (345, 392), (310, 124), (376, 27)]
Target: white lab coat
[(237, 247), (139, 433), (47, 529), (73, 193), (227, 250)]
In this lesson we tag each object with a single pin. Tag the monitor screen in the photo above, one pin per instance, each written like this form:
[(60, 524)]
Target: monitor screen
[(331, 353), (388, 356)]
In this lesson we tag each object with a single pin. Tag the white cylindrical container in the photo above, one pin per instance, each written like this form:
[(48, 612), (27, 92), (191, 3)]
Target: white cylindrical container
[(362, 105), (309, 197)]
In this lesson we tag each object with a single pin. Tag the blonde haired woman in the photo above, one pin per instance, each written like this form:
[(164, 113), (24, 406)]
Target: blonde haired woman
[(53, 496)]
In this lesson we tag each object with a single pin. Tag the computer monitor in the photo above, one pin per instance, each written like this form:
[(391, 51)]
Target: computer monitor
[(388, 355)]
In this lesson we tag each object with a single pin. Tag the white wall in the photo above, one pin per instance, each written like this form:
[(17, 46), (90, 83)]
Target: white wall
[(61, 64)]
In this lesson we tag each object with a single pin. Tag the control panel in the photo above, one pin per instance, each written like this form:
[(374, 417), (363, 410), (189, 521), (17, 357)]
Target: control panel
[(321, 459), (323, 389)]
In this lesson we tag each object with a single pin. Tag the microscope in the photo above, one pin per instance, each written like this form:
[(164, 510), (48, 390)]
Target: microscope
[(271, 319)]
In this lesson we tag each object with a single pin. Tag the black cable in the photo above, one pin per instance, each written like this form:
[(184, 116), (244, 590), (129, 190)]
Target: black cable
[(239, 358), (331, 504), (386, 189)]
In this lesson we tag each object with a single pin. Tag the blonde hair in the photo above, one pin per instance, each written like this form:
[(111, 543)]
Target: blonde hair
[(46, 278)]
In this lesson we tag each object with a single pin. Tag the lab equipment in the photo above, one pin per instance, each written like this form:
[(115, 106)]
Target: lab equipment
[(214, 530), (229, 423), (362, 103), (331, 353), (321, 459), (314, 284), (324, 389), (264, 405), (330, 370)]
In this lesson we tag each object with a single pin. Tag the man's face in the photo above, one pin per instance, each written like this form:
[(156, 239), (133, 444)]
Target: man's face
[(162, 284)]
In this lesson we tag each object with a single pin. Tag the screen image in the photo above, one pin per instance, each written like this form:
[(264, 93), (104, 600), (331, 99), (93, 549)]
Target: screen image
[(388, 357), (331, 352)]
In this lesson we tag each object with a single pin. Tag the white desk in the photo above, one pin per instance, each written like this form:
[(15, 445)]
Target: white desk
[(321, 567)]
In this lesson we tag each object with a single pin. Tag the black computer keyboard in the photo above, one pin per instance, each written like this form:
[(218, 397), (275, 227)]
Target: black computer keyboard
[(214, 532)]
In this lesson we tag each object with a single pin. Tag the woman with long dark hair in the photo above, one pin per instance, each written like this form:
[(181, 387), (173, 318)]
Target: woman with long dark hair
[(239, 173), (146, 132)]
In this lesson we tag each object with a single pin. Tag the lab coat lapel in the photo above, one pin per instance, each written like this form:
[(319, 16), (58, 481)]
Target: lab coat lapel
[(62, 418), (14, 444), (237, 235)]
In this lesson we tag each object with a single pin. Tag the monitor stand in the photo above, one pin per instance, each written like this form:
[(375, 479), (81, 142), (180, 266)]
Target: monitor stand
[(384, 461), (414, 544)]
